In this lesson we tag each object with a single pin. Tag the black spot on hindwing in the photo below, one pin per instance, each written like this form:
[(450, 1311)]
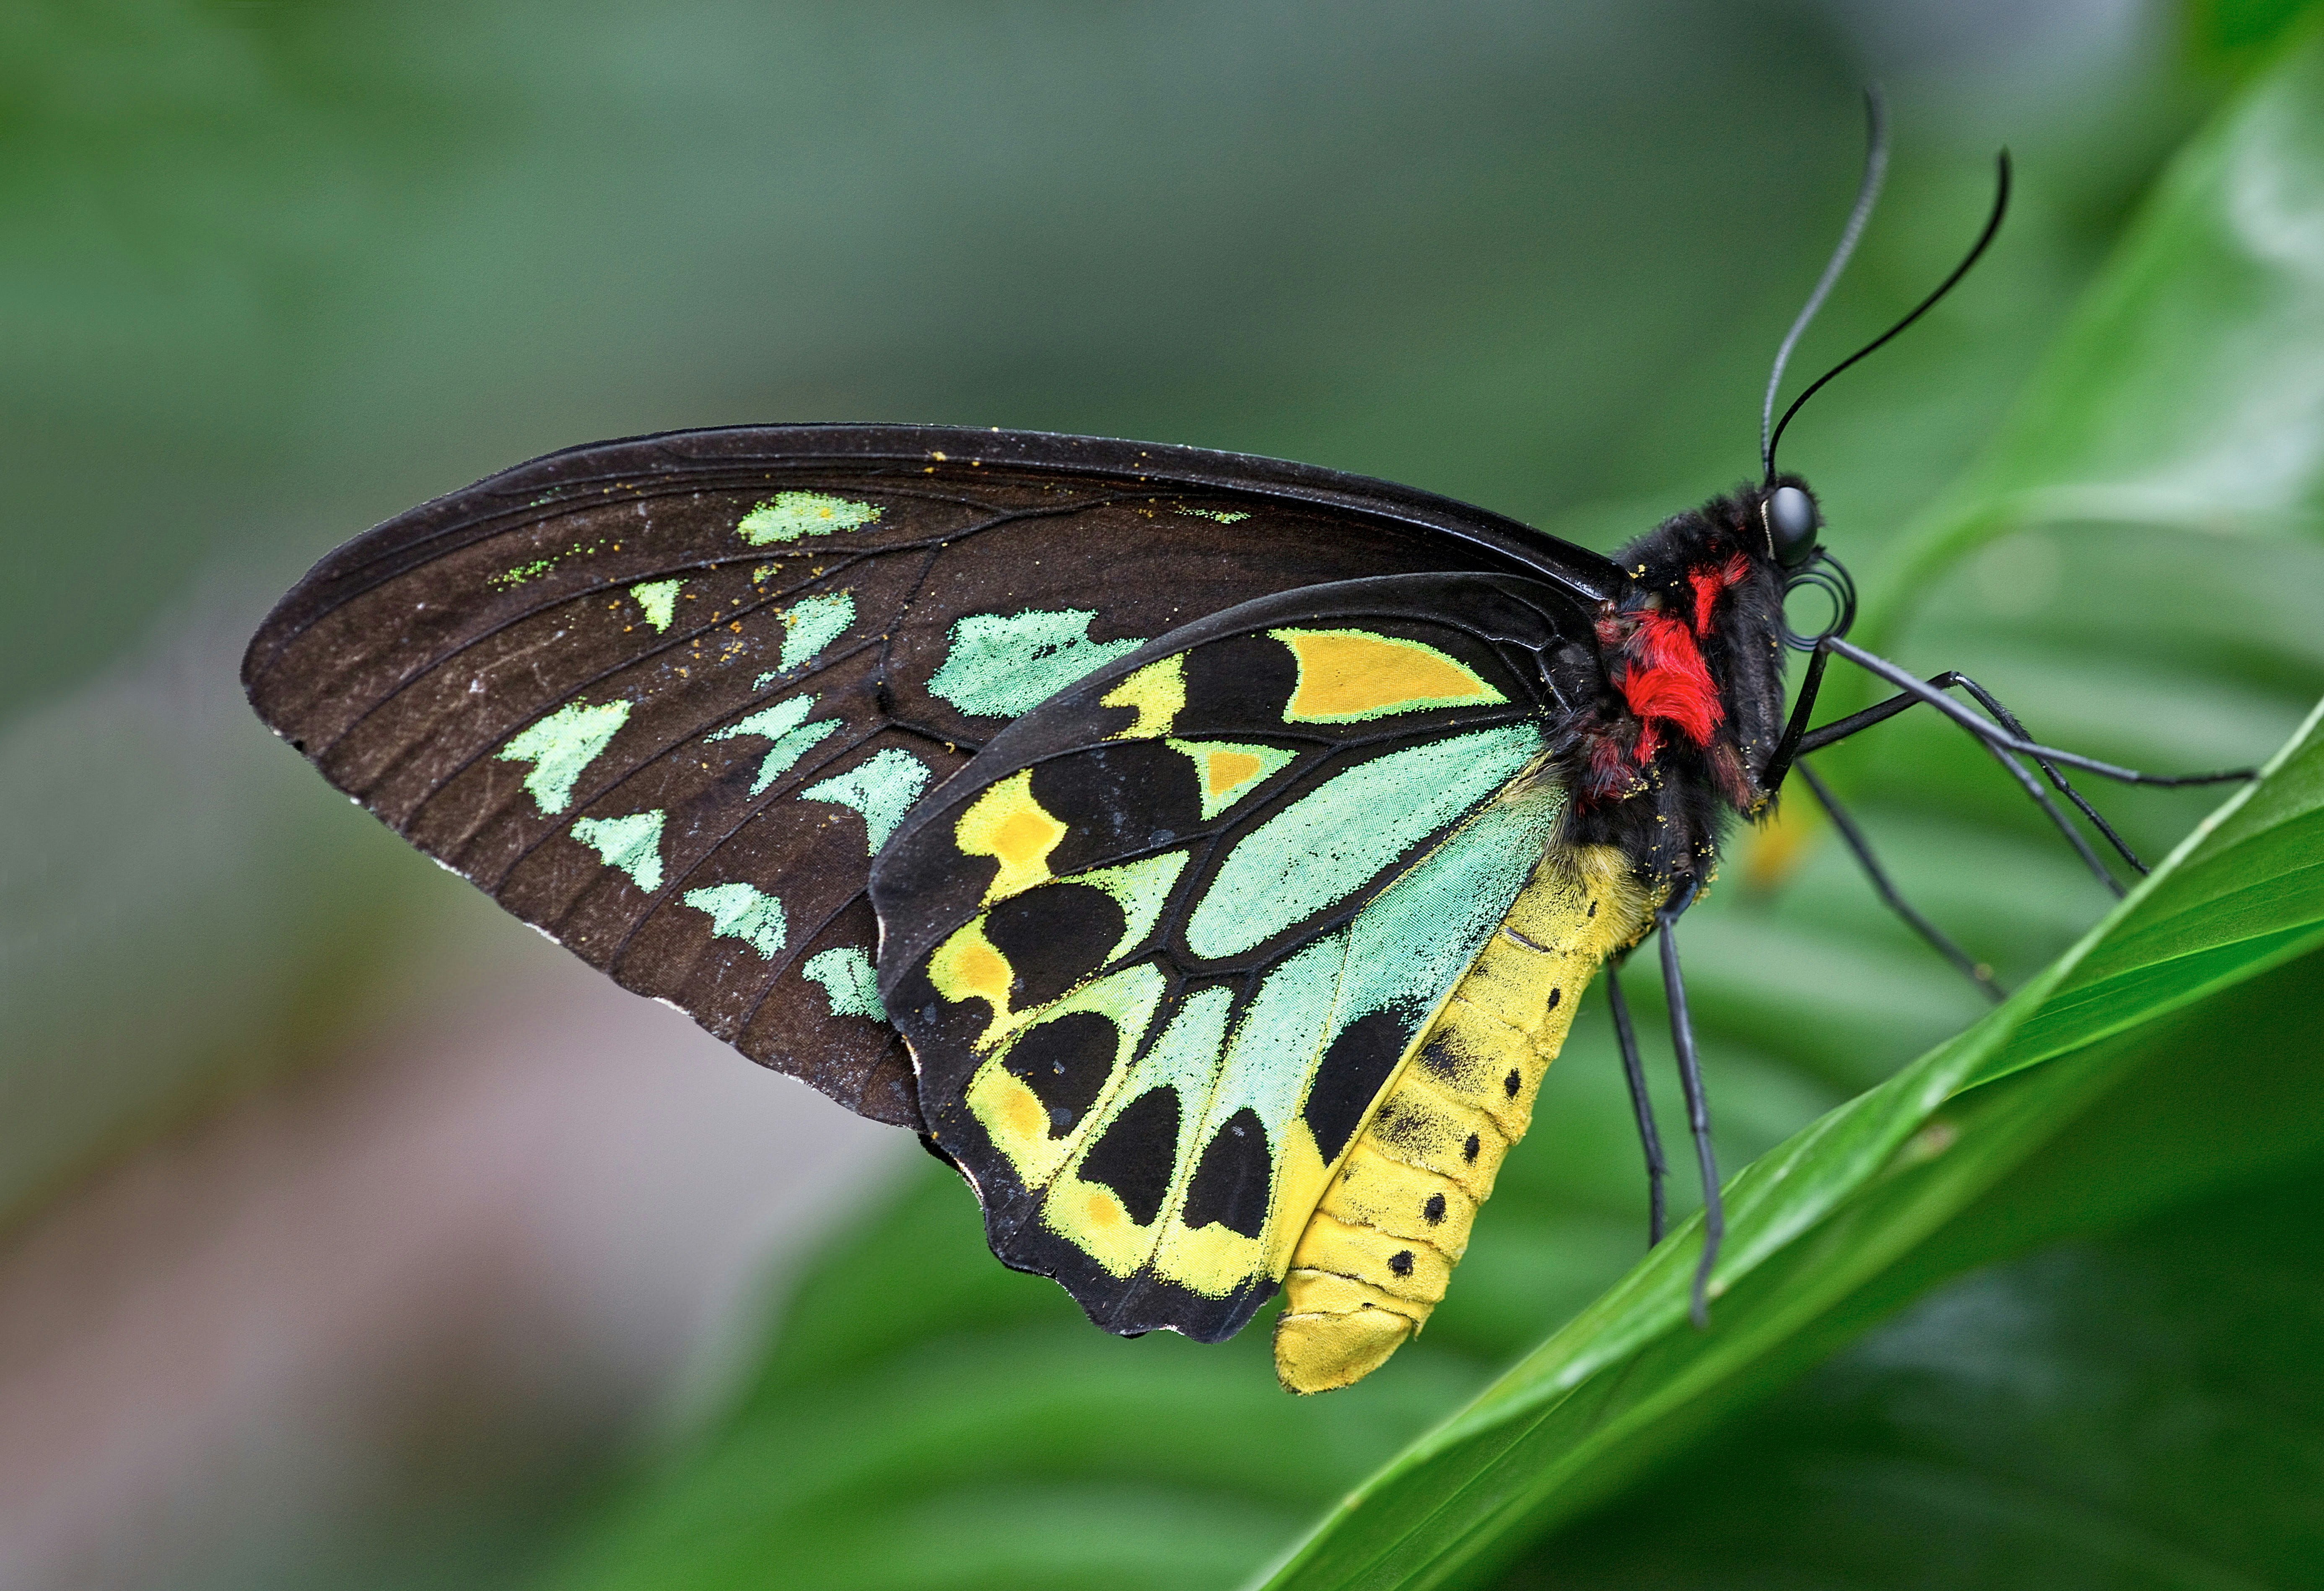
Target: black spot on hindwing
[(1354, 1070), (1112, 799), (1237, 682), (1137, 1152), (1231, 1179), (1065, 1062), (1052, 938)]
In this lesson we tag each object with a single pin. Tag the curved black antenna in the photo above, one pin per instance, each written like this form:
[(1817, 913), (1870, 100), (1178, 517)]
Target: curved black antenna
[(1992, 225), (1868, 192)]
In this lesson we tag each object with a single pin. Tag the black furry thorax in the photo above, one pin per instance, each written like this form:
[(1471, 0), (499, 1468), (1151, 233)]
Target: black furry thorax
[(1691, 698)]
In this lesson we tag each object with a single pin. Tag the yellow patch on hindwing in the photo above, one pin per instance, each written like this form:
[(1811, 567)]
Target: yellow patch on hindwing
[(1212, 1259), (1012, 1114), (1156, 692), (967, 965), (1347, 676), (1006, 824), (1103, 1210), (1377, 1255), (1215, 1259)]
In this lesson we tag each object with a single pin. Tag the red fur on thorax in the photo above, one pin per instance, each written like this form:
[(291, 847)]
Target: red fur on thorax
[(1666, 680), (1709, 583)]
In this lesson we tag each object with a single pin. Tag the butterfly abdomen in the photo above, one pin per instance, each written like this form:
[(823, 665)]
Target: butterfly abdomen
[(1378, 1254)]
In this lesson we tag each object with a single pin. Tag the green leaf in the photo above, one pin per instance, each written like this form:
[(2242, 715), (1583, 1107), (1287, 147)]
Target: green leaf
[(1821, 1218), (2139, 1409)]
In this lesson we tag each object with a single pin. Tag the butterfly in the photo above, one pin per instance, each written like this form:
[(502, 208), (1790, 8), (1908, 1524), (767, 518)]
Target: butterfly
[(1206, 855)]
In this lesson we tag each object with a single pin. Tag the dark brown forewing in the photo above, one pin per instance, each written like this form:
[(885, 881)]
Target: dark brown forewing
[(685, 784)]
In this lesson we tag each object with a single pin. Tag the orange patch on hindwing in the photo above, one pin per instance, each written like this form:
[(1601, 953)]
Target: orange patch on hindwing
[(1224, 770), (1347, 676)]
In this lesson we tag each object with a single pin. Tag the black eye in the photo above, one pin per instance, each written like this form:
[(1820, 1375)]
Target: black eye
[(1792, 524)]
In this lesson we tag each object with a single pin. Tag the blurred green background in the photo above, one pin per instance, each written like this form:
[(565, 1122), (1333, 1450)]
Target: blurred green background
[(356, 1237)]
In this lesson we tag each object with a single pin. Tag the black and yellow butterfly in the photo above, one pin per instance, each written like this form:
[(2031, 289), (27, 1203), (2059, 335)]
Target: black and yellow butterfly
[(1205, 854)]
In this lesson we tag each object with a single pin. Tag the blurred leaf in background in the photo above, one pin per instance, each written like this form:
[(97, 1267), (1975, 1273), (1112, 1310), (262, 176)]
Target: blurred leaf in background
[(279, 271)]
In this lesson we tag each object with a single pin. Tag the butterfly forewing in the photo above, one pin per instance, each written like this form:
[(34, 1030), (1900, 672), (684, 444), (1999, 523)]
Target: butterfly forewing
[(1162, 946), (667, 699)]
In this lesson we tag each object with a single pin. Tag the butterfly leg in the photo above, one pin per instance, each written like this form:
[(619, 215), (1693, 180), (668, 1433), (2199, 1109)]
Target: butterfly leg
[(1698, 1105), (1649, 1137), (1976, 972), (2005, 744), (1953, 678)]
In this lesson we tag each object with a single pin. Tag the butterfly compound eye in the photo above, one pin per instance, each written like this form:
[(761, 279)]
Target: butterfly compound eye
[(1790, 519)]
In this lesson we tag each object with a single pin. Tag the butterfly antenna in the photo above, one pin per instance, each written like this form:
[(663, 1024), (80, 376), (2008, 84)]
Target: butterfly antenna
[(1868, 192), (1992, 226)]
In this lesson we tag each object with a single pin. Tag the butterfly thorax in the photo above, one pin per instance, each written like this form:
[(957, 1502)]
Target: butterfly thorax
[(1691, 656)]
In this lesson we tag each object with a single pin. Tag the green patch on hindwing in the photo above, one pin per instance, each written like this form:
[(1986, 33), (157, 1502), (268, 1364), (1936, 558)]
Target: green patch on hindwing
[(1141, 889), (1229, 771), (1315, 851)]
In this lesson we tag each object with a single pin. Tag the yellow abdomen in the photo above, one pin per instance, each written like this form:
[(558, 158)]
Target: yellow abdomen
[(1377, 1253)]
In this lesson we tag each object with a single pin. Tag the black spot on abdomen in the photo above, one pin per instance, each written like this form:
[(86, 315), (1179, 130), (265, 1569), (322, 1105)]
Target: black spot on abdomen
[(1136, 1154), (1066, 1063), (1354, 1070), (1231, 1183)]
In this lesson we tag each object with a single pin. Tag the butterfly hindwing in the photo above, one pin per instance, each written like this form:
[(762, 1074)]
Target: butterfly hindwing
[(1161, 947), (666, 699)]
